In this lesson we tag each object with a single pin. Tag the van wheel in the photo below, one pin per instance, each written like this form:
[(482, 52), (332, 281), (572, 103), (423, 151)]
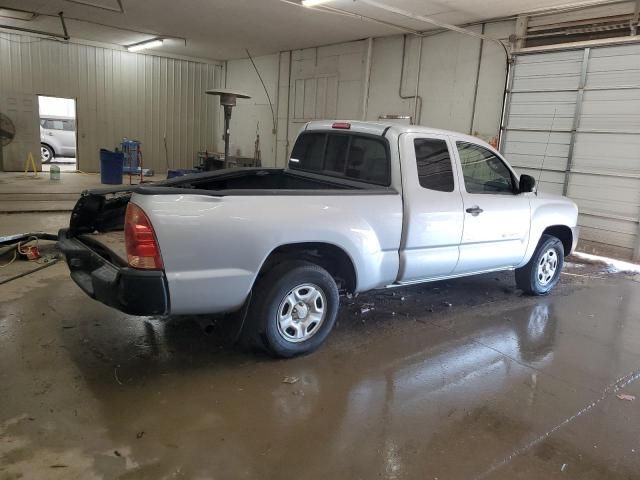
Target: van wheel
[(293, 309), (541, 274), (46, 153)]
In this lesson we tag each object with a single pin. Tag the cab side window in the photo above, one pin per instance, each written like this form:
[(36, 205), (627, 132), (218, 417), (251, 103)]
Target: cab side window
[(434, 164), (484, 172)]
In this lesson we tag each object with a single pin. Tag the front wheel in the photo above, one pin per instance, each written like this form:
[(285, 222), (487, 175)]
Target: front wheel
[(541, 274), (293, 309)]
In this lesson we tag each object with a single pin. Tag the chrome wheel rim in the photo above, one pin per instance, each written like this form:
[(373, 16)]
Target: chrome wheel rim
[(44, 154), (301, 313), (547, 267)]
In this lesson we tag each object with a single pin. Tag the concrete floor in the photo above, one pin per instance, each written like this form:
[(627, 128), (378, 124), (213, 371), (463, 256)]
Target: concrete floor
[(463, 379)]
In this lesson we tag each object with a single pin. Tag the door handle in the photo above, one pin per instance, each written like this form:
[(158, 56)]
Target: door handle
[(475, 210)]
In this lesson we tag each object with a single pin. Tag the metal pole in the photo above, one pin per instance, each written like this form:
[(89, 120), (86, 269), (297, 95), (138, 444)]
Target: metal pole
[(577, 113), (418, 113), (367, 78), (37, 32), (227, 121), (475, 90), (64, 26)]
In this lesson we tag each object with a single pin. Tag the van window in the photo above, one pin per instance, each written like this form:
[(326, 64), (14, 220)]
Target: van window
[(357, 157), (53, 124)]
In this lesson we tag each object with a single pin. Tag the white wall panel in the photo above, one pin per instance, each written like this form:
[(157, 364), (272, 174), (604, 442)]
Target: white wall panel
[(491, 82), (385, 78), (253, 116), (118, 94), (328, 82), (449, 73)]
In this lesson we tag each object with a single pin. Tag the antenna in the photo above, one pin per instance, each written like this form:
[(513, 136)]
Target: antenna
[(546, 147)]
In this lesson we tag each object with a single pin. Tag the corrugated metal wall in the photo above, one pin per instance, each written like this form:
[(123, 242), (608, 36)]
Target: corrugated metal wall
[(578, 111), (119, 94)]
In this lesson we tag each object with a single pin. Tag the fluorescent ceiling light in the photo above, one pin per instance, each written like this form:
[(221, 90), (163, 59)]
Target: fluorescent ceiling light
[(156, 42), (16, 14), (313, 3)]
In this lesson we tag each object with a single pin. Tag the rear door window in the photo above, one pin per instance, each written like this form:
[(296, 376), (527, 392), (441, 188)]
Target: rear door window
[(434, 164), (357, 157)]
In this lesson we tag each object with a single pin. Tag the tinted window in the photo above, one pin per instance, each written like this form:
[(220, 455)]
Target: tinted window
[(336, 154), (483, 171), (344, 155), (308, 152), (368, 161), (68, 125), (434, 164)]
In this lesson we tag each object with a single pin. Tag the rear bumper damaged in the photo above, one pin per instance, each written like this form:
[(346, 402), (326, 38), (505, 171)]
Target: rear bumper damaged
[(103, 276)]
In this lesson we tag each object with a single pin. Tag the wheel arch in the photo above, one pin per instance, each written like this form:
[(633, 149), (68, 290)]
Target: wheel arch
[(332, 258), (562, 233), (50, 146)]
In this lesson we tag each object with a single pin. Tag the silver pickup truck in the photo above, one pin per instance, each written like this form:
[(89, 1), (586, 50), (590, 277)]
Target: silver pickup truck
[(360, 206)]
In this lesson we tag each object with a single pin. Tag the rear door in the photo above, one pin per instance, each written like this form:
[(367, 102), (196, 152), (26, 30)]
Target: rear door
[(68, 137), (433, 208), (496, 217)]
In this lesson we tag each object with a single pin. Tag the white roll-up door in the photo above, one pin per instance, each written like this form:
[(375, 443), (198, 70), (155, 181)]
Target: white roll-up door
[(573, 119)]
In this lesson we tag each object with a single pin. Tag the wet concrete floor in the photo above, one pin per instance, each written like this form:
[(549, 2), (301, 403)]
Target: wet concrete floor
[(455, 380)]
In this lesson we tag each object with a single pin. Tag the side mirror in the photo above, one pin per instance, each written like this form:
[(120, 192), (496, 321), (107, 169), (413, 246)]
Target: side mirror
[(527, 184)]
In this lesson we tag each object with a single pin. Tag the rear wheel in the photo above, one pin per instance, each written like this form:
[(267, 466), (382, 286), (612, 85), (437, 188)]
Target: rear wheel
[(293, 309), (541, 274), (46, 153)]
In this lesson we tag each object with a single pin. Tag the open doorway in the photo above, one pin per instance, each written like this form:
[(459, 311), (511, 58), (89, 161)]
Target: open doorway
[(58, 142)]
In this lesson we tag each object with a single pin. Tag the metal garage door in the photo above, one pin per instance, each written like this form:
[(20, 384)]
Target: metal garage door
[(578, 112)]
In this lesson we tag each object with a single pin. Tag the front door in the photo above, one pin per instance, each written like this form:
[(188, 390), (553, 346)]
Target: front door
[(496, 217), (433, 213)]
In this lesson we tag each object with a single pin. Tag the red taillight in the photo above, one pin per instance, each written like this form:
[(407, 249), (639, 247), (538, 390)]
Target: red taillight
[(341, 125), (140, 239)]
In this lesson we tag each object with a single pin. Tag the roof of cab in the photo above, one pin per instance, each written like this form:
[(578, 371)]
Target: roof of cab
[(380, 128)]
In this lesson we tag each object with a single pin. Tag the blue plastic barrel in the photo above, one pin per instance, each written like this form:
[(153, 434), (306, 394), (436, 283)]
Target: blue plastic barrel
[(111, 167)]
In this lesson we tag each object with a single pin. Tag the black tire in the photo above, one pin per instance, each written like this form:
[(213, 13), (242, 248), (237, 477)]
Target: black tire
[(271, 293), (533, 281), (46, 153)]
